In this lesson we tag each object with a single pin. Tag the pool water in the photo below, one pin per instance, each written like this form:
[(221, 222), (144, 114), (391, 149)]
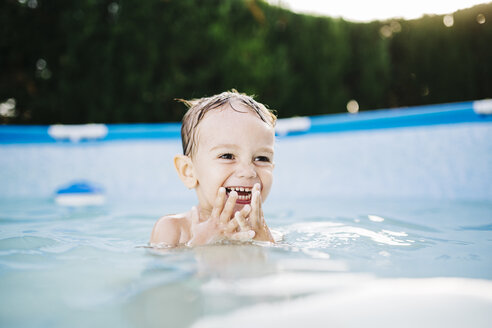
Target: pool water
[(337, 261), (379, 228)]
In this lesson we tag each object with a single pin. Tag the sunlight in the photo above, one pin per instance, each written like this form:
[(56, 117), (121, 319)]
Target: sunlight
[(354, 10)]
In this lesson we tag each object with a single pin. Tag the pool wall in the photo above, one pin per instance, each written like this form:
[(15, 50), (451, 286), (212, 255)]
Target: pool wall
[(428, 152)]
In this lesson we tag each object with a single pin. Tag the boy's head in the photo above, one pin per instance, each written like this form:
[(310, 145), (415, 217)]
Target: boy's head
[(197, 108), (228, 141)]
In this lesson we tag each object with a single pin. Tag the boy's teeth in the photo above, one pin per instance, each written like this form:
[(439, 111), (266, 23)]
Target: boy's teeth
[(241, 189)]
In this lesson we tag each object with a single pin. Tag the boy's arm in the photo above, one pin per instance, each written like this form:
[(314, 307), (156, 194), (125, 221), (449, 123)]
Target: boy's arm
[(166, 231)]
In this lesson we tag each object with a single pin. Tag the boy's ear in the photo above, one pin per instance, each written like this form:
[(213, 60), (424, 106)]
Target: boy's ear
[(184, 167)]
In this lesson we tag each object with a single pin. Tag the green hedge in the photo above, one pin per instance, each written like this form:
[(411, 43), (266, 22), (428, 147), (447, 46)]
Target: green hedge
[(126, 61)]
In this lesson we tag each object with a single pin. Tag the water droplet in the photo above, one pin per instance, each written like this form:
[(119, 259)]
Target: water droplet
[(113, 8), (448, 20), (395, 27), (41, 64), (7, 108), (33, 4), (481, 19), (45, 74), (385, 31), (353, 106)]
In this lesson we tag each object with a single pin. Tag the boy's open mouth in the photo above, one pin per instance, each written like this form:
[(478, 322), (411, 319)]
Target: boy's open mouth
[(244, 194)]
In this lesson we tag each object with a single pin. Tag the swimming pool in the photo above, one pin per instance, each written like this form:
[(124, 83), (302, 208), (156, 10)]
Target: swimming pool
[(385, 219)]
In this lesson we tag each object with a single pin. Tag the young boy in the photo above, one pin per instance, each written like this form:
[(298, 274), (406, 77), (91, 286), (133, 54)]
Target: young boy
[(228, 142)]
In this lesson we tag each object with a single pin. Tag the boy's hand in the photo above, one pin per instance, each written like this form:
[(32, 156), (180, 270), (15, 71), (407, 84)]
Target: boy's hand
[(250, 219), (219, 225), (240, 223)]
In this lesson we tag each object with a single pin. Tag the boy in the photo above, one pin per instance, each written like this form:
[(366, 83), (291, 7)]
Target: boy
[(228, 142)]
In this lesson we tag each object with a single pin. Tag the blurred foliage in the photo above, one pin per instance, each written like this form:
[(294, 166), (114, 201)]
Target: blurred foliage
[(126, 61)]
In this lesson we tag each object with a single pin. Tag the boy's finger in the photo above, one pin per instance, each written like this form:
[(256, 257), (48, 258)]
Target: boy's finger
[(226, 214), (244, 235), (257, 193), (245, 211), (258, 188), (255, 208), (239, 218), (219, 203), (232, 226)]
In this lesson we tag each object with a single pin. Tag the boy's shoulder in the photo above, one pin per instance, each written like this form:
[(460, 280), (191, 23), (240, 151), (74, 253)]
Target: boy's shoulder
[(171, 230)]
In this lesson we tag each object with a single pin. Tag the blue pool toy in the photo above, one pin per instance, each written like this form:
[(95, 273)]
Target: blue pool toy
[(80, 193)]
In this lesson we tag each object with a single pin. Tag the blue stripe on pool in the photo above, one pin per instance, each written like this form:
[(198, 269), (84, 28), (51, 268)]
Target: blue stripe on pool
[(402, 117), (143, 131), (462, 112)]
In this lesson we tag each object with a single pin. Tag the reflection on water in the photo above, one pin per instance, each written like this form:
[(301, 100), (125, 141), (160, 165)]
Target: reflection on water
[(358, 301), (486, 227), (225, 260), (329, 234), (403, 264)]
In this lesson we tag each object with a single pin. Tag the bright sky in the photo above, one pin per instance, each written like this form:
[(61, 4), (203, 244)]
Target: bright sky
[(363, 11)]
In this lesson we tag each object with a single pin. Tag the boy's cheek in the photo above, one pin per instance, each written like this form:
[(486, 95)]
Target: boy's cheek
[(265, 191), (267, 186)]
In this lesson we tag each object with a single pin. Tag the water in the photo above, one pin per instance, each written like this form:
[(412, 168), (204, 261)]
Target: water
[(379, 228), (382, 260)]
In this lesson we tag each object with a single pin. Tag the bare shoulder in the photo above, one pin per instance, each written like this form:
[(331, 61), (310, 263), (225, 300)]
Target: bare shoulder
[(170, 230)]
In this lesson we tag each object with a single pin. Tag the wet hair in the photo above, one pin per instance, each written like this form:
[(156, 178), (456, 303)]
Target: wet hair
[(197, 108)]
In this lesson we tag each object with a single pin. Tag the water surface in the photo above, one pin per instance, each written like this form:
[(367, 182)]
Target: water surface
[(340, 262)]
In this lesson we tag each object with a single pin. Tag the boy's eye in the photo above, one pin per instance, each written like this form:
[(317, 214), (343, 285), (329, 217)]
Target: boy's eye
[(262, 159), (226, 156)]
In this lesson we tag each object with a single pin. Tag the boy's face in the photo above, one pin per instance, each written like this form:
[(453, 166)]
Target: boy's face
[(235, 151)]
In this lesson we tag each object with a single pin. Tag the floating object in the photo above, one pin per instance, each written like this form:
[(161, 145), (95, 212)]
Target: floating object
[(285, 126), (76, 133), (483, 107), (80, 193)]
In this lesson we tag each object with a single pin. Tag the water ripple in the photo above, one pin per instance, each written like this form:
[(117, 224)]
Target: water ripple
[(26, 243), (321, 234)]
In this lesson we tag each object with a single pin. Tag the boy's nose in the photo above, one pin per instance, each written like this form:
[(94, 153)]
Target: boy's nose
[(246, 170)]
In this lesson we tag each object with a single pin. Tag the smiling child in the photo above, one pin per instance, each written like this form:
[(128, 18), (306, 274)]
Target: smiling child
[(228, 147)]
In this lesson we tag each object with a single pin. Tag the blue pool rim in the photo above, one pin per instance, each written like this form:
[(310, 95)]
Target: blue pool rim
[(449, 113)]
